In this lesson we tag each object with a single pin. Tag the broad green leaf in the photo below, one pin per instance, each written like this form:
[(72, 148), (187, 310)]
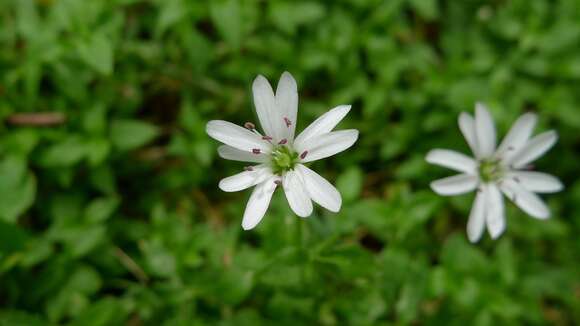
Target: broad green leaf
[(130, 134)]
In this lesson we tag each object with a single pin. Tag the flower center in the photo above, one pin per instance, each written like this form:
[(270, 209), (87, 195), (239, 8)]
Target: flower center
[(490, 170), (283, 159)]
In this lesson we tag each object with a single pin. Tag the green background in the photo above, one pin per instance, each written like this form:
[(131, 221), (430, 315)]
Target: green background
[(113, 217)]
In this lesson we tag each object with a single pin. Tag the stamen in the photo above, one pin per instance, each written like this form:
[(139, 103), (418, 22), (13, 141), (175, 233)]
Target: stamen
[(303, 155), (249, 168), (256, 151), (250, 126), (278, 182), (283, 141), (288, 122), (268, 138)]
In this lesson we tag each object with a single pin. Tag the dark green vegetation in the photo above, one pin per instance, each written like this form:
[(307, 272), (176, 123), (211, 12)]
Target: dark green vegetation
[(113, 216)]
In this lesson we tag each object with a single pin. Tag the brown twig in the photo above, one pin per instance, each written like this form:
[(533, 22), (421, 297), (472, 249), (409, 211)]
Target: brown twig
[(131, 265), (37, 119)]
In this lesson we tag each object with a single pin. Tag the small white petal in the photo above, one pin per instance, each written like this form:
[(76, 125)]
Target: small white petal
[(455, 185), (287, 103), (484, 131), (319, 189), (296, 194), (327, 144), (323, 124), (235, 136), (535, 148), (495, 213), (245, 179), (537, 181), (525, 199), (234, 154), (467, 127), (518, 135), (476, 222), (258, 203), (265, 103), (452, 159)]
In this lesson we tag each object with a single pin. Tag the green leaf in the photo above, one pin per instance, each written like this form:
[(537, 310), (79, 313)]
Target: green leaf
[(101, 209), (350, 184), (104, 312), (130, 134), (97, 52), (227, 17), (17, 188), (63, 154)]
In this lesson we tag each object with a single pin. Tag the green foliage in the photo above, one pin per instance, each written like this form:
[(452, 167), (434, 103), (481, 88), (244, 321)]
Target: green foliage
[(113, 216)]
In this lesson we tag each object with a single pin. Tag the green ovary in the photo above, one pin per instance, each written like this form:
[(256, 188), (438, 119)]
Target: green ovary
[(283, 159), (490, 170)]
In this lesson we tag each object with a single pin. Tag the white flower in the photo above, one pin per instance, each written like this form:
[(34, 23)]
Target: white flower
[(495, 170), (279, 156)]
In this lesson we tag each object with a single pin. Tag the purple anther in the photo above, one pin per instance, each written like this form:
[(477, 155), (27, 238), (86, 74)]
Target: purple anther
[(288, 122), (268, 138), (303, 155), (249, 168), (283, 141), (249, 125), (256, 151)]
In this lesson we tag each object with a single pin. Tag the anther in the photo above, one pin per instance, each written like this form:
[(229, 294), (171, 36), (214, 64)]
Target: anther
[(256, 151), (288, 122), (283, 141), (303, 155), (249, 168), (268, 138), (249, 125), (278, 182)]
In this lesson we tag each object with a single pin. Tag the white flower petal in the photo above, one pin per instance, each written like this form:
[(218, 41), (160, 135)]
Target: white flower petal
[(495, 212), (296, 194), (245, 179), (537, 181), (476, 222), (265, 103), (323, 124), (455, 185), (258, 203), (518, 135), (484, 131), (319, 189), (287, 103), (327, 144), (525, 199), (467, 127), (235, 136), (234, 154), (535, 148), (453, 160)]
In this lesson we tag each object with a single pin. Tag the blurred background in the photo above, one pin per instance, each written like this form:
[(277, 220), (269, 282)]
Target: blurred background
[(110, 212)]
